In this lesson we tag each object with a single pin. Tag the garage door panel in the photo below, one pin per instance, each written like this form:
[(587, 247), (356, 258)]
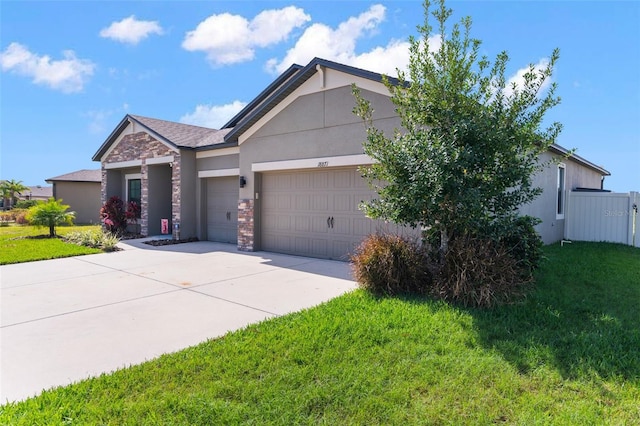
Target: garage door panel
[(303, 224), (314, 198), (303, 246), (320, 180), (319, 225), (340, 250), (342, 179), (284, 201), (362, 227), (319, 248), (341, 225), (284, 182), (284, 223), (343, 203), (303, 202), (303, 181), (320, 202), (269, 201)]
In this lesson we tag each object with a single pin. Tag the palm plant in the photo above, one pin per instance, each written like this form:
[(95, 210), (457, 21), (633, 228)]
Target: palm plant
[(9, 189), (50, 214)]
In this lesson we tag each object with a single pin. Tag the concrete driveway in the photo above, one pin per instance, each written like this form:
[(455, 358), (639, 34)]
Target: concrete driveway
[(67, 319)]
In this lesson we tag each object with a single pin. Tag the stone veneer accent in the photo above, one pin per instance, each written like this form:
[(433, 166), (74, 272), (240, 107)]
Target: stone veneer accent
[(141, 146), (175, 196), (245, 225)]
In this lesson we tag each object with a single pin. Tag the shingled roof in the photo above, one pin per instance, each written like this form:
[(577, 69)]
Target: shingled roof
[(83, 175), (179, 135)]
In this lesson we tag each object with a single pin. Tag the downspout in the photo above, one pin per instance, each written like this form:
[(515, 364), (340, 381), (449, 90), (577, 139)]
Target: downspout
[(320, 70), (602, 182)]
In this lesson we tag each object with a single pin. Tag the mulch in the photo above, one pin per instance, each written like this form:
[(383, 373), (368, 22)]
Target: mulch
[(157, 243)]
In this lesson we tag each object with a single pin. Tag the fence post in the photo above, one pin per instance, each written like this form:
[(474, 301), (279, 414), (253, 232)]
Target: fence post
[(634, 199)]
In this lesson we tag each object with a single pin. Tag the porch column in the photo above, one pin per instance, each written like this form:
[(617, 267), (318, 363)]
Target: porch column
[(144, 199)]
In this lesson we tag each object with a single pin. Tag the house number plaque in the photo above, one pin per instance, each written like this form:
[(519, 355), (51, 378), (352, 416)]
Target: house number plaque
[(323, 163)]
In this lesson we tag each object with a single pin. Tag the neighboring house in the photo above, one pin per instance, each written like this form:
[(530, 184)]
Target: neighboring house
[(81, 191), (282, 174), (37, 192)]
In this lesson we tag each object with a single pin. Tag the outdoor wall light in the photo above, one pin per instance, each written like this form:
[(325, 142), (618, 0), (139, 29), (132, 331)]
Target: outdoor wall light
[(243, 181)]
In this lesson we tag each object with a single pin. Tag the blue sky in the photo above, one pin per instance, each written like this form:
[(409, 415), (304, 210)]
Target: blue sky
[(70, 71)]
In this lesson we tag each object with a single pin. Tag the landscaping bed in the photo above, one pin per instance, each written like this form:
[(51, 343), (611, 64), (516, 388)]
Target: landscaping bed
[(168, 242)]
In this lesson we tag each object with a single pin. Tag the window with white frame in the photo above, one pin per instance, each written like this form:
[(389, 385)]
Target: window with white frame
[(561, 192), (134, 189)]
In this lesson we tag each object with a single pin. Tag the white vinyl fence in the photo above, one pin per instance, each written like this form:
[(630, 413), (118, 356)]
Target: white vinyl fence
[(603, 216)]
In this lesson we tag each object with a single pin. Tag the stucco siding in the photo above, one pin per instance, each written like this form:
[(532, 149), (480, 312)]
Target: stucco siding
[(343, 97), (581, 177), (82, 197), (218, 163), (312, 142), (545, 206), (187, 190), (159, 196)]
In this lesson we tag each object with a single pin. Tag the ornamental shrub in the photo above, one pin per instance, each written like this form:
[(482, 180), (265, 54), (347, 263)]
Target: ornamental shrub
[(481, 272), (94, 239), (387, 264), (113, 215)]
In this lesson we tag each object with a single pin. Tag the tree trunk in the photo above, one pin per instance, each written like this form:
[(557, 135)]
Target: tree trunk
[(52, 230), (444, 242)]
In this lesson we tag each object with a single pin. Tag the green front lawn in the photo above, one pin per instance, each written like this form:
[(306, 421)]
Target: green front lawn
[(569, 355), (21, 243)]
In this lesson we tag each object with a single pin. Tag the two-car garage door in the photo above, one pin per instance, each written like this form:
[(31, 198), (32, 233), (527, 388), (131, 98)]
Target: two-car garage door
[(315, 212)]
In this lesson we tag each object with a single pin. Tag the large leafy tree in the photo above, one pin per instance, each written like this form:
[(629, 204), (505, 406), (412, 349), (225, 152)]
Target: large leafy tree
[(9, 189), (463, 161), (50, 214)]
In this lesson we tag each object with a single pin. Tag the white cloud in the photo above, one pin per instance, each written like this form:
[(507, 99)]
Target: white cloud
[(229, 39), (518, 78), (213, 116), (130, 30), (97, 121), (320, 40), (67, 75)]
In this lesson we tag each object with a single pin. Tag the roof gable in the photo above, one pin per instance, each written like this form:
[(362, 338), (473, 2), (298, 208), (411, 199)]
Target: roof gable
[(296, 76), (175, 135)]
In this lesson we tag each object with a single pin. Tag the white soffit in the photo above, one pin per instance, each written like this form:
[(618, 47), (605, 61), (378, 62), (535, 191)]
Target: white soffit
[(326, 80), (313, 163), (218, 173)]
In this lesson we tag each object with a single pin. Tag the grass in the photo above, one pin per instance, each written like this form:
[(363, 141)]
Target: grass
[(21, 243), (570, 354)]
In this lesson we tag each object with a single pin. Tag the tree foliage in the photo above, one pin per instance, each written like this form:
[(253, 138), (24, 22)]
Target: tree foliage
[(464, 159), (50, 214), (9, 189)]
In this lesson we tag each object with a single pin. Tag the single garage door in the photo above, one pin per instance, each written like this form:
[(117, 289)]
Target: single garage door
[(315, 213), (222, 209)]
